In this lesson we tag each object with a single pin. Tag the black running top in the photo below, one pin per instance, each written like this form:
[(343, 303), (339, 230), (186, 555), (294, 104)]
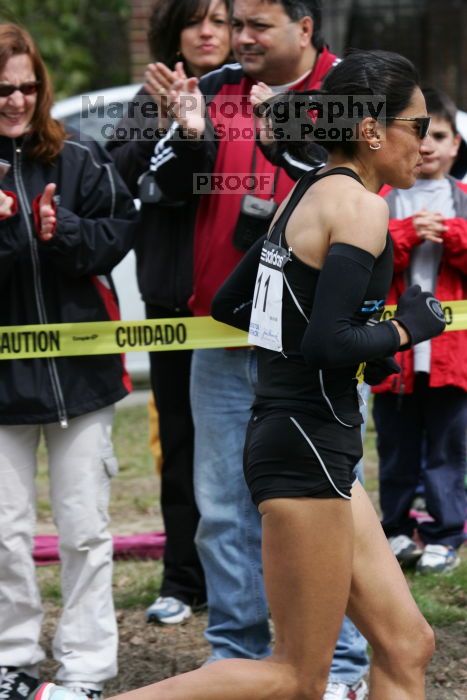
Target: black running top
[(327, 330)]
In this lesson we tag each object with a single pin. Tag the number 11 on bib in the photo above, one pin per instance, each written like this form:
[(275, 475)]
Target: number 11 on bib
[(266, 315)]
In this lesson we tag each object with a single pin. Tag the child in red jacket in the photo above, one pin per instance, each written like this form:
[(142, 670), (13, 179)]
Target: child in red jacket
[(420, 414)]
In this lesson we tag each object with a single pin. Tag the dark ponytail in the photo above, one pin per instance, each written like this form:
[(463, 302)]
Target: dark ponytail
[(362, 73)]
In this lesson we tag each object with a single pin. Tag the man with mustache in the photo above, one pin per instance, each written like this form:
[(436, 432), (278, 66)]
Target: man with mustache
[(277, 43)]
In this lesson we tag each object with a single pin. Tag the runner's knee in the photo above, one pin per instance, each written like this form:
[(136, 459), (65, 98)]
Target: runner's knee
[(412, 648)]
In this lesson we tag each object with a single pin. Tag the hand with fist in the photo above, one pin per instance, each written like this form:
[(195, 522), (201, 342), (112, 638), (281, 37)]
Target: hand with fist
[(420, 314), (7, 205), (259, 93), (376, 371), (47, 213)]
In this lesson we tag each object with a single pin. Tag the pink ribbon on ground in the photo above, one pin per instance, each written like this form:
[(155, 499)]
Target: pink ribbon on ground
[(148, 545)]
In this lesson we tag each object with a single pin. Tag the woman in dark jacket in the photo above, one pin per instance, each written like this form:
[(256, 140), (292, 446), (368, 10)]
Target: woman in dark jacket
[(194, 36), (66, 220)]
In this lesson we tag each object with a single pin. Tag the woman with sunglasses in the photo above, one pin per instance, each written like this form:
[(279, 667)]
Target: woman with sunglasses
[(326, 265), (66, 220)]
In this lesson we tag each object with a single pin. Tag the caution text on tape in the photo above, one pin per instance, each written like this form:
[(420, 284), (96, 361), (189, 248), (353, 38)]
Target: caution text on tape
[(115, 337)]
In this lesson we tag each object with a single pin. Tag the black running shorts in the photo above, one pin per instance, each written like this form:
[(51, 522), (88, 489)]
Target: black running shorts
[(291, 455)]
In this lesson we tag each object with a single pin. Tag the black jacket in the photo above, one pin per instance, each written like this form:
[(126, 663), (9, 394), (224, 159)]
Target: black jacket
[(63, 280), (164, 244)]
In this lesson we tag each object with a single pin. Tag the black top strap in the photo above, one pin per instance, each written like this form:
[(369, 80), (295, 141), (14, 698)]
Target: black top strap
[(302, 186)]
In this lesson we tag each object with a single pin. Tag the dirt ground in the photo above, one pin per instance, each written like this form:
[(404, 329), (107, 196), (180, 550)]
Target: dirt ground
[(149, 653)]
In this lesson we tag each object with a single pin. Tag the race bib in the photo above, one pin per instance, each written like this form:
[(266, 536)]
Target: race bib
[(266, 315)]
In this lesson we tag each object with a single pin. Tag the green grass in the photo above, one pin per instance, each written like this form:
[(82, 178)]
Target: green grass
[(135, 491), (442, 599), (134, 507), (135, 583)]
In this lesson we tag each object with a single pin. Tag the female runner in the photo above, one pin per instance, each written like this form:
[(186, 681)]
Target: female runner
[(324, 551)]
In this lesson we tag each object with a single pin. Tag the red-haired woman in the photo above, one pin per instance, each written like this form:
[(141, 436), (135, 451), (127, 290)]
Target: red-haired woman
[(66, 219)]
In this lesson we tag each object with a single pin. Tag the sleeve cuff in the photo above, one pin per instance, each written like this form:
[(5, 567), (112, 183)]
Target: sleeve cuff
[(14, 209), (36, 214)]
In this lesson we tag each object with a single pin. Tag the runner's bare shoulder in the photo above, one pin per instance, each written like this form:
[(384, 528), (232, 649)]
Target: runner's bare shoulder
[(356, 216)]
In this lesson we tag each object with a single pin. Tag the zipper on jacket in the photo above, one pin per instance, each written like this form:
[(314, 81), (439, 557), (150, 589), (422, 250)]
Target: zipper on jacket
[(40, 305)]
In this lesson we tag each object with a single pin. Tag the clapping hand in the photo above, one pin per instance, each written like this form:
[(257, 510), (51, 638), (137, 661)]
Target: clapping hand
[(258, 94), (189, 107), (158, 82), (47, 215), (6, 205)]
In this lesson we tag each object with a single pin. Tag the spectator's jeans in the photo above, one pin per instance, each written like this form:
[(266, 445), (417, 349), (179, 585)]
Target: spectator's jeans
[(229, 532), (434, 417), (81, 464)]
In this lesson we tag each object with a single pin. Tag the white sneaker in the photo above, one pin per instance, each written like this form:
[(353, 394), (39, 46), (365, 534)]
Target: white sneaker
[(50, 691), (168, 611), (341, 691), (438, 559), (406, 551)]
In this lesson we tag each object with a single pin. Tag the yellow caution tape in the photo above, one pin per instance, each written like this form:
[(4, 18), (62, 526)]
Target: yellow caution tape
[(115, 337), (455, 313)]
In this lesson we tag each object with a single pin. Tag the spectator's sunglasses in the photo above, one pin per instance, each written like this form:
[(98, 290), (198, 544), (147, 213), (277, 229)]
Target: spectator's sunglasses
[(29, 88), (423, 123)]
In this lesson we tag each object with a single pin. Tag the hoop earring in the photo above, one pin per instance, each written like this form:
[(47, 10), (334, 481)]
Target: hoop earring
[(375, 147)]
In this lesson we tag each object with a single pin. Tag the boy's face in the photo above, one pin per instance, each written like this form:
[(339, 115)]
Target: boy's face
[(439, 149)]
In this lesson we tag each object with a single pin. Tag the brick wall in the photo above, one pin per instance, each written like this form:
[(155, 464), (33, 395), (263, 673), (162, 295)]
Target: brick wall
[(140, 12)]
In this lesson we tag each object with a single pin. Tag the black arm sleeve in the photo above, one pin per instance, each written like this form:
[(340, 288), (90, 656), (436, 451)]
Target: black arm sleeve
[(232, 303), (335, 337)]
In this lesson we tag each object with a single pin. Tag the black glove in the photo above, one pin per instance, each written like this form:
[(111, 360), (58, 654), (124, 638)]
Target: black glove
[(376, 371), (420, 314)]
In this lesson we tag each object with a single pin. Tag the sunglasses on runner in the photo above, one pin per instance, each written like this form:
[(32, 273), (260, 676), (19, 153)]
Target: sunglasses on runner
[(29, 88), (423, 123)]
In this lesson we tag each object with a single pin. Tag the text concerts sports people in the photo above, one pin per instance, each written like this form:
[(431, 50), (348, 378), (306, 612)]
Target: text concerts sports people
[(66, 221), (279, 43), (194, 35), (324, 551)]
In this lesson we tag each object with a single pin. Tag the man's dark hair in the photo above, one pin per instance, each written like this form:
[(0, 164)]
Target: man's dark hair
[(438, 104), (296, 9), (167, 21)]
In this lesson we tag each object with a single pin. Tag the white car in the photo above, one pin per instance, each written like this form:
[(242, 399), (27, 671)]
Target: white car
[(70, 111)]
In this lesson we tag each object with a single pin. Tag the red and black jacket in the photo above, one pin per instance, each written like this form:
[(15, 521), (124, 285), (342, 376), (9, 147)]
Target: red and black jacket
[(64, 280), (227, 147), (449, 350)]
